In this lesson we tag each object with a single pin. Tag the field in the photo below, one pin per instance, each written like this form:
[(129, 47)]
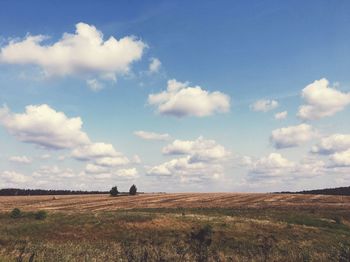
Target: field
[(176, 227)]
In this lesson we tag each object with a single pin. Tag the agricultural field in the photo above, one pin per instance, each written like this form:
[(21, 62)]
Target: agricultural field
[(176, 227)]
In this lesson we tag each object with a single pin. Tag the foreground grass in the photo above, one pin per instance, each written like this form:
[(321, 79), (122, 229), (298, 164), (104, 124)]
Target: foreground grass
[(178, 235)]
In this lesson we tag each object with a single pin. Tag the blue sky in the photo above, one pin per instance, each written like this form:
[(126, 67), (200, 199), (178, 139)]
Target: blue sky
[(202, 80)]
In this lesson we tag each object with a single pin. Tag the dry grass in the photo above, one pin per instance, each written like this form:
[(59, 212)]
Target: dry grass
[(180, 200), (245, 227)]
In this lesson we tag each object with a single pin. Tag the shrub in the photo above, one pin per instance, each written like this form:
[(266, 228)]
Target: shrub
[(114, 191), (16, 213), (41, 215), (133, 190), (200, 241)]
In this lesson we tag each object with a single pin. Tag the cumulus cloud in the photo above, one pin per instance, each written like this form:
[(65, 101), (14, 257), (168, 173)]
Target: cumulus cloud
[(182, 100), (100, 154), (121, 174), (322, 100), (10, 178), (292, 136), (151, 135), (95, 169), (341, 158), (94, 150), (44, 126), (276, 168), (112, 161), (281, 115), (272, 165), (183, 167), (102, 160), (106, 172), (332, 144), (127, 172), (54, 172), (201, 159), (20, 159), (154, 65), (164, 169), (337, 147), (199, 150), (83, 53), (310, 167), (47, 128), (264, 105)]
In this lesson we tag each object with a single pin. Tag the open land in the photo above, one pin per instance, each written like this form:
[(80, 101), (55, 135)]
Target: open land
[(176, 227)]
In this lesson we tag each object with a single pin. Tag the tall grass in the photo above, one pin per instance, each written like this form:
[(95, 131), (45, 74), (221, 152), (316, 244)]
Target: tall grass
[(168, 235)]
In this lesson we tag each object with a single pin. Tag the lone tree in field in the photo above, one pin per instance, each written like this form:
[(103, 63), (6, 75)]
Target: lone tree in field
[(114, 191), (133, 190)]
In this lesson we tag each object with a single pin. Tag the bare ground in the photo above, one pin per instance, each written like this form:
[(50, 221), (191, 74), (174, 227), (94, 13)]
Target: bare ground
[(178, 200)]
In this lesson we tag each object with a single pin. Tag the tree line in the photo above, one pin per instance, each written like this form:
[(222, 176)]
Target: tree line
[(42, 192), (341, 191), (39, 192)]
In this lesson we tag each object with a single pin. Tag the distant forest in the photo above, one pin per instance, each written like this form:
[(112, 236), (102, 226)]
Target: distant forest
[(39, 192), (344, 191)]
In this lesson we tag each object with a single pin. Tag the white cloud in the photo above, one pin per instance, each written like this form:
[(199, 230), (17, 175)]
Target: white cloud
[(85, 53), (162, 169), (50, 129), (341, 158), (332, 144), (182, 100), (121, 174), (154, 65), (94, 84), (43, 126), (95, 169), (54, 172), (264, 105), (337, 146), (199, 150), (281, 115), (112, 161), (322, 100), (292, 136), (107, 172), (13, 178), (100, 154), (152, 135), (310, 167), (272, 165), (103, 176), (275, 168), (20, 159), (94, 150), (127, 172), (184, 167), (202, 159)]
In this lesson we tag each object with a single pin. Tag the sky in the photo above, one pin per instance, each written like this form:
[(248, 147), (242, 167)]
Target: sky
[(175, 96)]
